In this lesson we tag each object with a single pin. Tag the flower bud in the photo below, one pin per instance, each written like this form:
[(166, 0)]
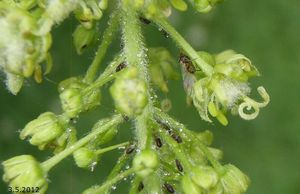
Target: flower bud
[(129, 92), (85, 157), (72, 82), (235, 65), (71, 101), (200, 95), (23, 171), (157, 8), (217, 154), (14, 83), (43, 130), (179, 4), (88, 11), (76, 97), (234, 181), (106, 136), (83, 38), (145, 163), (204, 176), (103, 4), (205, 137), (207, 57), (138, 4), (188, 186), (161, 67), (197, 155), (202, 6)]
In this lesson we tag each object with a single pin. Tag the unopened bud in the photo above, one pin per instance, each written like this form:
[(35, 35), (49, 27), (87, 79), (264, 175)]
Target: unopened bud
[(234, 181), (145, 163), (188, 186), (83, 38), (129, 92), (204, 176), (25, 170), (179, 4), (85, 157), (43, 130)]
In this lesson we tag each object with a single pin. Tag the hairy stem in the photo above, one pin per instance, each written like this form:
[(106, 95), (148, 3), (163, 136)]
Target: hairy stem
[(189, 50), (116, 169), (108, 74), (110, 182), (50, 163), (135, 55), (110, 148), (107, 38)]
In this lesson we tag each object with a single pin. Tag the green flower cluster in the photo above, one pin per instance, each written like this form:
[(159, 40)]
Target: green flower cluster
[(25, 34), (164, 155), (21, 48), (227, 89)]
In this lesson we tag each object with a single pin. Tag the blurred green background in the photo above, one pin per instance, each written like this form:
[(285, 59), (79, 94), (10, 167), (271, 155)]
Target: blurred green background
[(267, 149)]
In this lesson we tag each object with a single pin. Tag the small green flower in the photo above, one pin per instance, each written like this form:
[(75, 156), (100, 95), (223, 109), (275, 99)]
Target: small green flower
[(85, 157), (83, 38), (129, 92), (44, 130), (157, 8), (204, 176), (89, 11), (161, 67), (179, 4), (14, 82), (234, 181), (189, 187), (145, 163), (206, 137), (21, 50), (71, 101), (76, 97), (106, 136), (217, 153), (23, 171), (226, 89)]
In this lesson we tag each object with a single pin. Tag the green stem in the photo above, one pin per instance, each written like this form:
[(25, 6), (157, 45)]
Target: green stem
[(135, 185), (48, 164), (135, 55), (117, 168), (107, 38), (108, 74), (189, 50), (107, 149), (166, 119), (110, 182)]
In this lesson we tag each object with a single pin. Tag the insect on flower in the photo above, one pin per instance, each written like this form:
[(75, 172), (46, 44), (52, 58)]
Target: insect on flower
[(169, 188), (121, 66), (158, 142), (144, 20), (187, 63), (178, 165)]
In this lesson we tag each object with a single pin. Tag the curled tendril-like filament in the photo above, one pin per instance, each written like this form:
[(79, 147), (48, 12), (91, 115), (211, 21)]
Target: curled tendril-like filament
[(250, 104)]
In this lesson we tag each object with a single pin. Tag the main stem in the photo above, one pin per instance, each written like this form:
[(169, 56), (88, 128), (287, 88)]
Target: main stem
[(189, 50), (135, 55), (48, 164)]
